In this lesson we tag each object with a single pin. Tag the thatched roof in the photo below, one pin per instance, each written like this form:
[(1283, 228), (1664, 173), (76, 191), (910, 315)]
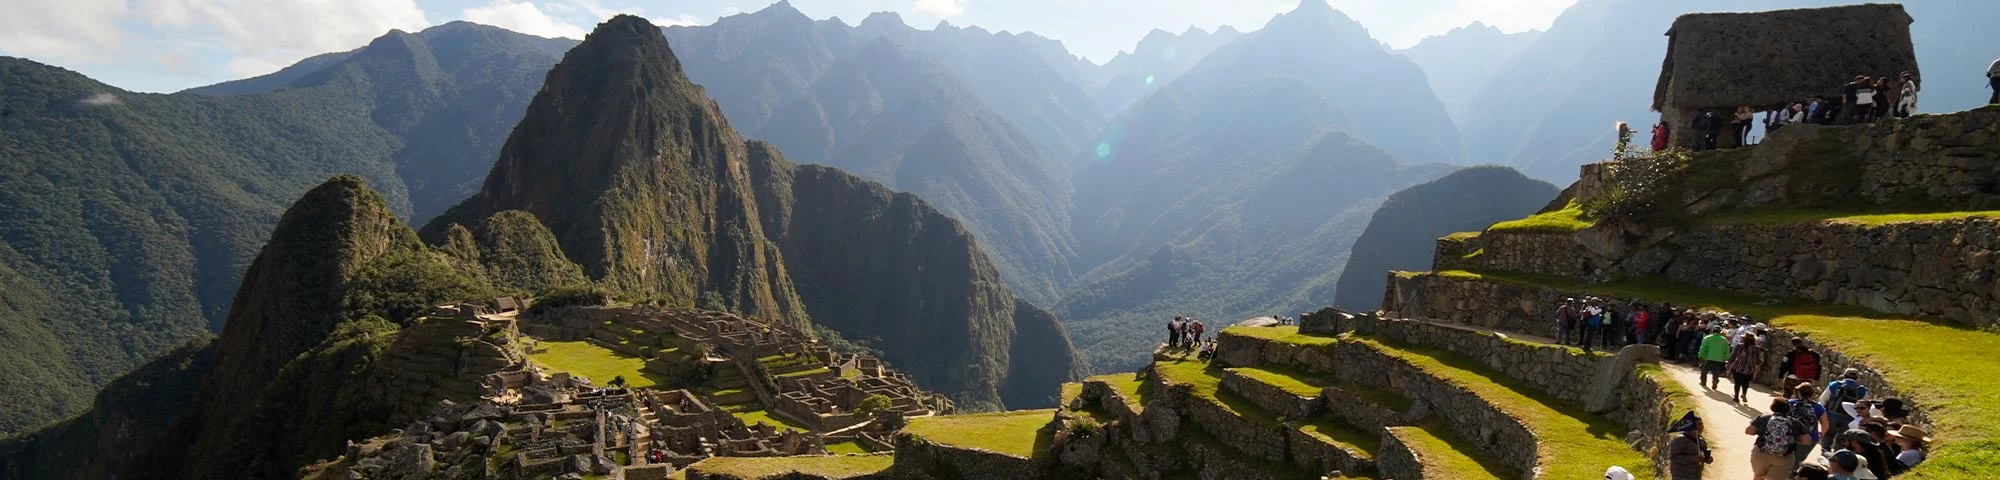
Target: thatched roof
[(1763, 59)]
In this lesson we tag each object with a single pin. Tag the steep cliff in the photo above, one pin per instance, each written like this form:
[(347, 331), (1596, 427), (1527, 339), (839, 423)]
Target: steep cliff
[(643, 182)]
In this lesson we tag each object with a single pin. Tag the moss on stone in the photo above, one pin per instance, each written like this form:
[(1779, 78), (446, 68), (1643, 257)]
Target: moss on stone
[(1567, 220)]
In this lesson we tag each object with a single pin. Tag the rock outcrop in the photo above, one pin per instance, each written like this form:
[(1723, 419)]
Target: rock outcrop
[(644, 183)]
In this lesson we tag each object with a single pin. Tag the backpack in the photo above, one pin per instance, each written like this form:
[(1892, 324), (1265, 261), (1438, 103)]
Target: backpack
[(1806, 365), (1780, 435), (1848, 390), (1806, 413)]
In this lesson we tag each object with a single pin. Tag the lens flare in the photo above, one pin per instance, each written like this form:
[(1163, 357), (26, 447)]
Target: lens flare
[(1149, 79), (1103, 150), (1169, 53)]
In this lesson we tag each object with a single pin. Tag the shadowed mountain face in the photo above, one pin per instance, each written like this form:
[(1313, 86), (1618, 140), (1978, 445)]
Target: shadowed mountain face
[(1402, 233), (1552, 107), (128, 218), (653, 193), (1458, 62), (964, 118)]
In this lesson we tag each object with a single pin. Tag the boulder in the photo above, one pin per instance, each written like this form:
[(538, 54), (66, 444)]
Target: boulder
[(454, 441), (485, 411)]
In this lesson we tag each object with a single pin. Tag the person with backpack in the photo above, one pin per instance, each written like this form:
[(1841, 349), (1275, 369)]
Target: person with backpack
[(1801, 364), (1778, 435), (1174, 333), (1198, 329), (1810, 413), (1848, 389), (1714, 351), (1744, 359), (1593, 319), (1688, 453), (1566, 317)]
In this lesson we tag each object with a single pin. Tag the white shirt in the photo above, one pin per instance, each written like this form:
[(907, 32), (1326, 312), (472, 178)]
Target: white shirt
[(1910, 458)]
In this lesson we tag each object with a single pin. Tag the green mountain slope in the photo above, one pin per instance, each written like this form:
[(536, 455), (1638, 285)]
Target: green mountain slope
[(656, 196), (128, 218), (1402, 233)]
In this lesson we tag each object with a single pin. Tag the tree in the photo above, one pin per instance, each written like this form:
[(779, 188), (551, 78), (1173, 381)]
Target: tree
[(874, 403), (618, 381)]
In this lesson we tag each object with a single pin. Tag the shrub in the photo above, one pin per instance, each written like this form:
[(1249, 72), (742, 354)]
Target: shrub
[(1635, 183), (570, 296), (873, 403)]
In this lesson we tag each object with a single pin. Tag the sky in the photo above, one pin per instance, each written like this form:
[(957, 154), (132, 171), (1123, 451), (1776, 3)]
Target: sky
[(169, 45)]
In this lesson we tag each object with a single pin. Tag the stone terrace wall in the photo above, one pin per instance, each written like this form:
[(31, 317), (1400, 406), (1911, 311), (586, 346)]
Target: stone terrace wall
[(1544, 253), (1395, 459), (1507, 439), (942, 461), (1943, 270), (1494, 305)]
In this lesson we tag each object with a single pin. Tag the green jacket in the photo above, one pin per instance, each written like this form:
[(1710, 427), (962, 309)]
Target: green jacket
[(1714, 348)]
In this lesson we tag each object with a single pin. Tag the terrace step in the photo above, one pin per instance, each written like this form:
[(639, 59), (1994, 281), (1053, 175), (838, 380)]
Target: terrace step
[(1429, 450)]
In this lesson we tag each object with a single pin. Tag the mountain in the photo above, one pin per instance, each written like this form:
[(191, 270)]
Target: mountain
[(1220, 205), (1158, 59), (128, 218), (293, 375), (1385, 96), (642, 181), (1551, 108), (1458, 62), (1402, 233), (879, 101)]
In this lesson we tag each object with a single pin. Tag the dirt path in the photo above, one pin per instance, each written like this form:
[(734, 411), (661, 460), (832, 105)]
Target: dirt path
[(1724, 419)]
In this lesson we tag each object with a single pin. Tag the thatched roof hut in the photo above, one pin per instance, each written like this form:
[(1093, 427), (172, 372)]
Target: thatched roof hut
[(1768, 59), (1765, 59)]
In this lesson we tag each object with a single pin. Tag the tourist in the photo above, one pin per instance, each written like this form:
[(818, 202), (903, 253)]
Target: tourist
[(1691, 335), (1809, 412), (1801, 364), (1566, 316), (1910, 441), (1593, 317), (1687, 453), (1908, 93), (1699, 126), (1861, 444), (1743, 361), (1778, 435), (1856, 99), (1617, 473), (1993, 82), (1174, 333), (1659, 136), (1816, 110), (1884, 448), (1811, 471), (1608, 329), (1838, 396), (1198, 330), (1641, 320), (1715, 122), (1894, 411), (1714, 351), (1744, 120), (1844, 464), (1882, 101), (1797, 114)]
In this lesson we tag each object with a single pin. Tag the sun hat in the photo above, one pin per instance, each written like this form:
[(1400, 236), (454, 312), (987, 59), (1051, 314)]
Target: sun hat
[(1617, 473), (1912, 432)]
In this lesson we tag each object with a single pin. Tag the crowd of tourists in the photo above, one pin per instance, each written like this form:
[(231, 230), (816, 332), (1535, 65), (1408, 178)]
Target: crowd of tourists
[(1860, 437), (1187, 334), (1863, 100)]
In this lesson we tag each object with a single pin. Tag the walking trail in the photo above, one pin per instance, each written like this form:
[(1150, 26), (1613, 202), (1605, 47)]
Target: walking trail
[(1723, 418)]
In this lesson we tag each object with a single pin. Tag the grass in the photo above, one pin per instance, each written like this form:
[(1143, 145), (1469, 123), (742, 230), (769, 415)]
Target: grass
[(1206, 380), (1132, 386), (1462, 236), (597, 363), (1017, 433), (1574, 444), (754, 412), (1291, 380), (1863, 219), (847, 447), (1340, 433), (835, 466), (1283, 333), (806, 372), (1441, 453), (1947, 370), (1568, 220)]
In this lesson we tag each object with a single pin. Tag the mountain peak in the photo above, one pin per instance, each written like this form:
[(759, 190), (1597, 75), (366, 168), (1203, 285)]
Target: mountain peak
[(882, 20), (1314, 6)]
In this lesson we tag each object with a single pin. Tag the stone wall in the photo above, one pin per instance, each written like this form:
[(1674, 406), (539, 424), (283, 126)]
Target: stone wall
[(944, 461), (1557, 254), (1493, 305), (1272, 398), (1566, 373), (1395, 459), (1505, 438), (1943, 270)]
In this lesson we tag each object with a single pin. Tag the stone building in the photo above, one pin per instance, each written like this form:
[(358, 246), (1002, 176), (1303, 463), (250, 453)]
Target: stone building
[(1764, 60)]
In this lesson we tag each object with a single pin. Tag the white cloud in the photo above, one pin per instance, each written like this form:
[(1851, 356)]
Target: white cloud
[(246, 67), (941, 8), (524, 17), (69, 31), (100, 100), (684, 19)]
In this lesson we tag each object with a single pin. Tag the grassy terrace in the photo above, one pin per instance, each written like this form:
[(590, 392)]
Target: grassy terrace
[(1015, 433), (1947, 370), (1568, 220), (1302, 383), (1283, 334), (843, 448), (837, 466), (1132, 386), (1574, 444), (1440, 452), (1310, 384), (753, 412), (597, 363), (1865, 219)]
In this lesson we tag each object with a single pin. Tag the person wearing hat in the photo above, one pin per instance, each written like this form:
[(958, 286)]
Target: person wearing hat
[(1687, 453), (1847, 389), (1617, 473), (1859, 443), (1911, 440), (1714, 351), (1844, 465), (1566, 317)]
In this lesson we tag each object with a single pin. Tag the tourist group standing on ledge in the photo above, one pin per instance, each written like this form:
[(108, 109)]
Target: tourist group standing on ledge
[(1863, 100), (1860, 437)]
